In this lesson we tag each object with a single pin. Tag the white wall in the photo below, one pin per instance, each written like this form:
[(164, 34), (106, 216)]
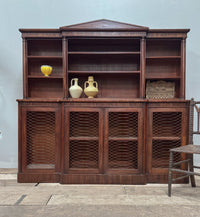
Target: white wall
[(15, 14)]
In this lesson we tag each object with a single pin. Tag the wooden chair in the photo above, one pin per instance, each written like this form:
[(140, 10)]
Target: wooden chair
[(189, 150)]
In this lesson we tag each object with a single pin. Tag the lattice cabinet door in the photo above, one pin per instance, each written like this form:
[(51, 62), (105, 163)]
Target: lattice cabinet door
[(40, 139), (83, 140), (166, 129), (123, 140)]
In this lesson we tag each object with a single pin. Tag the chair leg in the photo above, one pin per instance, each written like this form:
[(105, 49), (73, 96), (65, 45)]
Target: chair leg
[(170, 173), (191, 169)]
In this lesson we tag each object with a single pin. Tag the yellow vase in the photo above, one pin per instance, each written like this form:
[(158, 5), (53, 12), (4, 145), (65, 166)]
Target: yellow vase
[(90, 87), (46, 70)]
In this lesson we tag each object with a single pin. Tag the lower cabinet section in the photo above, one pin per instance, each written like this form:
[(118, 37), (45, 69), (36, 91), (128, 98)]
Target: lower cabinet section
[(123, 143), (104, 144), (39, 143), (83, 134), (40, 140), (167, 127)]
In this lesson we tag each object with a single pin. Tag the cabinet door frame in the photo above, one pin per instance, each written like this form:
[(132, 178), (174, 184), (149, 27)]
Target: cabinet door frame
[(23, 148), (66, 168), (184, 120), (140, 150)]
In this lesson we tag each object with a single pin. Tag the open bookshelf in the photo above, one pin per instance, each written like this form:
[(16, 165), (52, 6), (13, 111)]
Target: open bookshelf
[(114, 63), (44, 52), (164, 62), (117, 64)]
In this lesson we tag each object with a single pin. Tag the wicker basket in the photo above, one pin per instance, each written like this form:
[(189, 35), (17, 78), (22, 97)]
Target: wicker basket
[(160, 90)]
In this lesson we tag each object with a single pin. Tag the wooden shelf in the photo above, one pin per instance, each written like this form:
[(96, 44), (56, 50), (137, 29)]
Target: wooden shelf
[(163, 57), (161, 76), (120, 100), (44, 57), (104, 52), (106, 100), (44, 77), (103, 72), (165, 138)]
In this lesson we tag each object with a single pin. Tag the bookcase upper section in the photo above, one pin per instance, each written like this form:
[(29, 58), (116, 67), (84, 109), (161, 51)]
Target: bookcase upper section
[(122, 57)]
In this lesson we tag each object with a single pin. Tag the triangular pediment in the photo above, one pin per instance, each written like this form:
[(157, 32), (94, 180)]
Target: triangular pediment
[(104, 25)]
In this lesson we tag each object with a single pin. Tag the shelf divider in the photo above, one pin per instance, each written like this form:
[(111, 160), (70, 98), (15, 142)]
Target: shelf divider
[(83, 138), (122, 138)]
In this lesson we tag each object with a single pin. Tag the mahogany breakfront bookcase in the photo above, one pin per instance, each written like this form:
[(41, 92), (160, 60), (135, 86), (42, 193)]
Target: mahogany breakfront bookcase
[(119, 137)]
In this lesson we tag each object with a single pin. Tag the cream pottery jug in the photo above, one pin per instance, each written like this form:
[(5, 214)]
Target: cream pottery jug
[(75, 90), (90, 87)]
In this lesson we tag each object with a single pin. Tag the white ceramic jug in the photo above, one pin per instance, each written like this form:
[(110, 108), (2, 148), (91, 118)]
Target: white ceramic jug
[(75, 90)]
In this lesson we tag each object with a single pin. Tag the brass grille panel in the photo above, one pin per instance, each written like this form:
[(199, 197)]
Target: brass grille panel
[(41, 138), (123, 154), (160, 153), (167, 123), (83, 154), (123, 124), (84, 124)]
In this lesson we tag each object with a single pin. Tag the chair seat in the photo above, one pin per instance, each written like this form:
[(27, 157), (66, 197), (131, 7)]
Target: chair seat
[(189, 149)]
